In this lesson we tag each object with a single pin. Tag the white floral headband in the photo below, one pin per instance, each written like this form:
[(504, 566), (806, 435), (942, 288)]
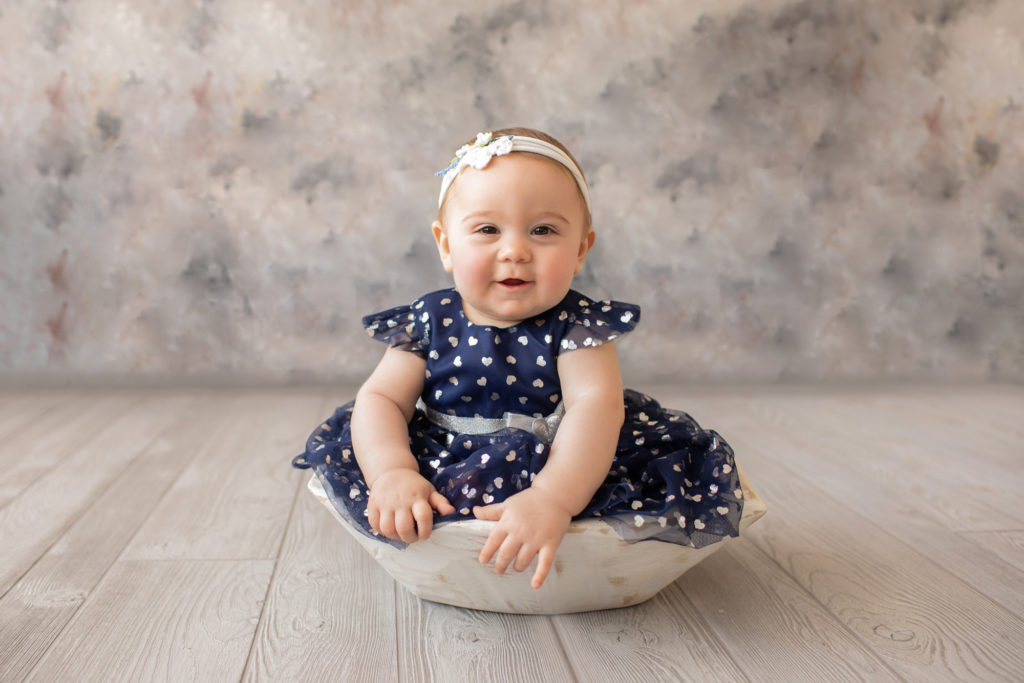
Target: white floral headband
[(486, 147)]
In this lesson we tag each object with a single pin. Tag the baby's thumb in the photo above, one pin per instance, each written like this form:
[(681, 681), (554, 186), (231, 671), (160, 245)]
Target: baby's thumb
[(489, 512), (441, 504)]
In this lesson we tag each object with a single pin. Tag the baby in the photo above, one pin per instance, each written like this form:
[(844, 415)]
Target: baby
[(501, 398)]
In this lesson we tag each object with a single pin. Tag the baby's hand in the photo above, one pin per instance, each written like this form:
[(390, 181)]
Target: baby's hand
[(530, 523), (401, 505)]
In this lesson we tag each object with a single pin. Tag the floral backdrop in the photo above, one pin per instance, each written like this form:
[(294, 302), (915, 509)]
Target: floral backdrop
[(791, 190)]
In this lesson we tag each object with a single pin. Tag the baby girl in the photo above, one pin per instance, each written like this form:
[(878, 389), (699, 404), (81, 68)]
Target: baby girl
[(501, 398)]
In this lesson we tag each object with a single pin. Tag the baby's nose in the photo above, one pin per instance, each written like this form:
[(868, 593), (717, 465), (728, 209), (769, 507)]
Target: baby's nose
[(514, 248)]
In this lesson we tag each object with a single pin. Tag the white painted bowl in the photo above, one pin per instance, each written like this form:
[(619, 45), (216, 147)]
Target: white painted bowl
[(594, 568)]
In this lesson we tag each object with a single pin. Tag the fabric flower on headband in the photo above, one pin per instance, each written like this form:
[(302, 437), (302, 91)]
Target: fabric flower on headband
[(478, 154)]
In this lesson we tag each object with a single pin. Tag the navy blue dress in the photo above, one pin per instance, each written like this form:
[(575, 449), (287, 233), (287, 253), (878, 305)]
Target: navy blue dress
[(489, 410)]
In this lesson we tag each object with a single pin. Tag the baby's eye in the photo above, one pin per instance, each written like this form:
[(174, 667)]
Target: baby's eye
[(543, 230), (487, 230)]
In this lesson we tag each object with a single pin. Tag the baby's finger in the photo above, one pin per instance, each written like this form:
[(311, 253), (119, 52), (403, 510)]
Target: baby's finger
[(405, 526), (441, 504), (545, 559), (525, 557), (494, 541), (387, 524), (424, 516), (373, 517), (491, 513), (506, 555)]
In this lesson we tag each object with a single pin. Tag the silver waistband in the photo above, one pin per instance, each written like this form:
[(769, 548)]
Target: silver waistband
[(543, 428)]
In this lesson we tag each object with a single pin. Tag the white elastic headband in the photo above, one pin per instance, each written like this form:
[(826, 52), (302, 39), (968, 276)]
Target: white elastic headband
[(486, 147)]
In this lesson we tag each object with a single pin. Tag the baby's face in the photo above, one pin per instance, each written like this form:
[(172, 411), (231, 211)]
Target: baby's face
[(513, 236)]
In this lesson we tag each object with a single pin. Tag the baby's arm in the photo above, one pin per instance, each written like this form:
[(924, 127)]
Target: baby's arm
[(401, 501), (534, 521)]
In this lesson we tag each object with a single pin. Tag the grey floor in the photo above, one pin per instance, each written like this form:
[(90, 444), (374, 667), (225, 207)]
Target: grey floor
[(160, 535)]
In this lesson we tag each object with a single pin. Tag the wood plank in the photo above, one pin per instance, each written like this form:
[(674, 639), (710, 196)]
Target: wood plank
[(163, 620), (17, 412), (925, 623), (952, 489), (995, 416), (40, 447), (915, 435), (234, 502), (836, 464), (771, 626), (1001, 404), (663, 639), (39, 606), (1008, 545), (962, 424), (330, 610), (444, 643), (59, 496)]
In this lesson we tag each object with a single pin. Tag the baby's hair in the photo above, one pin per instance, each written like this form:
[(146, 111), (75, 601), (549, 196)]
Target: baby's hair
[(529, 133)]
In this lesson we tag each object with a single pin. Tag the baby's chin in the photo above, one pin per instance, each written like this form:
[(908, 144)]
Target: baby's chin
[(507, 316)]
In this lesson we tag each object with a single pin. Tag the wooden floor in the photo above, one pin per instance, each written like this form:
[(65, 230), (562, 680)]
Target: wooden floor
[(161, 535)]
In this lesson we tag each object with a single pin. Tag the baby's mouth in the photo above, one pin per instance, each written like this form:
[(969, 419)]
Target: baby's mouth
[(513, 282)]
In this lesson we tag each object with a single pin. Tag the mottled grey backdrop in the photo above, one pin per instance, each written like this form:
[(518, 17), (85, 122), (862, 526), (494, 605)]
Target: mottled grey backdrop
[(218, 190)]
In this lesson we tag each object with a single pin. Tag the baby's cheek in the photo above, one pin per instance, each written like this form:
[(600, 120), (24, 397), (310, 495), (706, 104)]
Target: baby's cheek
[(472, 267), (557, 275)]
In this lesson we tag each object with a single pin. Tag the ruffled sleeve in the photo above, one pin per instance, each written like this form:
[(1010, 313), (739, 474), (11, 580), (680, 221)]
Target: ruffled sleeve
[(587, 323), (403, 327)]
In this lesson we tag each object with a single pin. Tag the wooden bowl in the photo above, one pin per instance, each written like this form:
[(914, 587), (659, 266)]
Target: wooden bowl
[(594, 568)]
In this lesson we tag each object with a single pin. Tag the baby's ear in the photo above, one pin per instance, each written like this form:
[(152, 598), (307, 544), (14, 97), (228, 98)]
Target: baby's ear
[(585, 245), (444, 248)]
